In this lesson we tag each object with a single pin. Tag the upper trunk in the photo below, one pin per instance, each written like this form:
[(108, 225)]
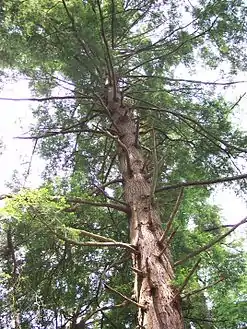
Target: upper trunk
[(153, 270)]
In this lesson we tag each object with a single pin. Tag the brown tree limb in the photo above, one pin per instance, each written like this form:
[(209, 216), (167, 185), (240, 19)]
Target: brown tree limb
[(217, 227), (110, 66), (210, 244), (168, 242), (228, 83), (55, 133), (125, 297), (186, 118), (108, 196), (201, 183), (91, 243), (202, 289), (102, 186), (172, 216), (116, 138), (91, 235), (43, 99), (186, 280), (105, 308), (77, 200)]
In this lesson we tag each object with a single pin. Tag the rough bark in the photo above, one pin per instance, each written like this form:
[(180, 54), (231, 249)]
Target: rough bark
[(153, 272)]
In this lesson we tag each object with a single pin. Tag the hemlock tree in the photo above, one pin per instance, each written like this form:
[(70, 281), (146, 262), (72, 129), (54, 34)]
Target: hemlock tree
[(121, 234)]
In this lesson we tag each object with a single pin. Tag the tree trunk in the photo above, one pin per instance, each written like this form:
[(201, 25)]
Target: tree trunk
[(153, 270)]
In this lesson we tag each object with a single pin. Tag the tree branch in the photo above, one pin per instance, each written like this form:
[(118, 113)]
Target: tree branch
[(192, 271), (78, 200), (172, 216), (61, 132), (201, 183), (202, 289), (228, 83), (95, 244), (90, 235), (125, 297), (210, 244), (43, 99)]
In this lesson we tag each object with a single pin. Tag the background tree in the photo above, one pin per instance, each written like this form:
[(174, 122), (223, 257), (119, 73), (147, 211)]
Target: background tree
[(128, 140)]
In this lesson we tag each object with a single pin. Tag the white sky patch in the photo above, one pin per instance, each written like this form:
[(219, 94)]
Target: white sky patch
[(16, 119)]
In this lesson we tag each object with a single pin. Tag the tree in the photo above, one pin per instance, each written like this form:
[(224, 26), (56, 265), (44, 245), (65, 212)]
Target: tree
[(128, 140)]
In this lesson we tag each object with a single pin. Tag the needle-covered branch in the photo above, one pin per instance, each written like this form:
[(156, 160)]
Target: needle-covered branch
[(210, 244)]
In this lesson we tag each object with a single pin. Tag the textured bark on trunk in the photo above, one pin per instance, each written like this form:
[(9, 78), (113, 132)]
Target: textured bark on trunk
[(153, 273)]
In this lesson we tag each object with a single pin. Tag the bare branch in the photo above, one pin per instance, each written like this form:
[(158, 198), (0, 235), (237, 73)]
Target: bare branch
[(202, 289), (188, 277), (217, 228), (5, 196), (105, 308), (214, 83), (43, 99), (210, 244), (109, 61), (78, 200), (95, 244), (91, 235), (172, 216), (116, 138), (201, 183), (102, 186), (30, 163), (168, 242), (108, 196), (61, 132), (125, 297)]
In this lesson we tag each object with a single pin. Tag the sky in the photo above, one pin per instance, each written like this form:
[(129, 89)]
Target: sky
[(16, 118)]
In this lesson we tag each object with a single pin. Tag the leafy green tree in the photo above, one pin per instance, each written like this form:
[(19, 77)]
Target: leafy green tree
[(121, 234)]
